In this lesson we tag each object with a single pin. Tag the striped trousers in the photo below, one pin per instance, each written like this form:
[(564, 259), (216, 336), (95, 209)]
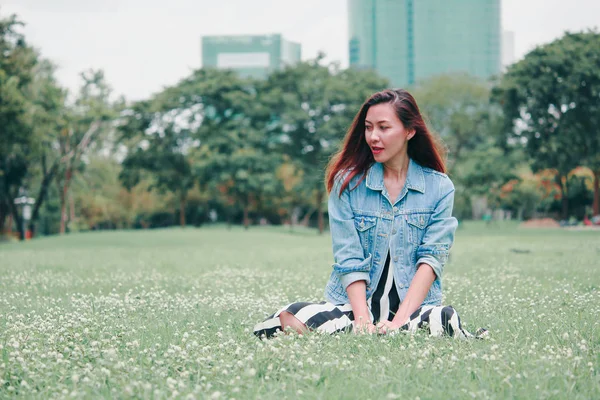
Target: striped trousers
[(326, 317)]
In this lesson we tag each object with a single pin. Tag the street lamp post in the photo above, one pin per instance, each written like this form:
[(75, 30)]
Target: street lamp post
[(25, 203)]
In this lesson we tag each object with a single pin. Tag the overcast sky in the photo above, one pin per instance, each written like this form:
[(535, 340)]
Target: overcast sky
[(144, 45)]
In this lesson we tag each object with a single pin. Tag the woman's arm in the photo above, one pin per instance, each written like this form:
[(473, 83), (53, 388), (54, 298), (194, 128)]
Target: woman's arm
[(357, 293), (350, 263), (432, 254), (351, 266), (415, 295)]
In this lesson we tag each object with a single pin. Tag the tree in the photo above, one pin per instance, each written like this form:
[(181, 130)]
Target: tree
[(243, 161), (48, 113), (552, 100), (581, 80), (481, 174), (312, 105), (102, 202), (91, 115), (290, 178), (159, 147), (184, 131), (458, 108), (528, 193), (17, 139)]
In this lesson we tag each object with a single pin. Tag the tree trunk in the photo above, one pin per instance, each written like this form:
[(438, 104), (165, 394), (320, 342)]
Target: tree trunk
[(3, 214), (63, 201), (18, 220), (71, 208), (246, 219), (596, 206), (520, 213), (306, 218), (182, 204), (70, 156), (563, 196), (291, 218), (320, 195), (63, 214), (9, 224), (453, 161), (41, 197), (43, 192)]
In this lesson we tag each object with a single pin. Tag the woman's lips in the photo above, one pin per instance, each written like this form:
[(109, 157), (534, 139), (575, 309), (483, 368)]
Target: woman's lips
[(376, 150)]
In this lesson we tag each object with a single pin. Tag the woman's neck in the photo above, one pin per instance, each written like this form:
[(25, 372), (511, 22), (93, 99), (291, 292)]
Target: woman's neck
[(396, 169)]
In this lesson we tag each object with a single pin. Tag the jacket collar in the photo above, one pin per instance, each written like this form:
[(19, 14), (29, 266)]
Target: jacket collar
[(415, 178)]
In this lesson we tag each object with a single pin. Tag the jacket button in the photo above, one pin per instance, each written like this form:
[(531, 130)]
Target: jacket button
[(394, 232), (395, 209)]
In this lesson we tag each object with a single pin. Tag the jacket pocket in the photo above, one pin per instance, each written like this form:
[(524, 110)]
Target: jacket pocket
[(417, 224), (365, 225)]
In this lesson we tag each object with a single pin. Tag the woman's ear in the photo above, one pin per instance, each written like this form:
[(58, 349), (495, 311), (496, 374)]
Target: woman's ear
[(411, 133)]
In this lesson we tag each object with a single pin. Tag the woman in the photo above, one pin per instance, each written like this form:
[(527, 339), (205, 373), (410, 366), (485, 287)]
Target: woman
[(390, 215)]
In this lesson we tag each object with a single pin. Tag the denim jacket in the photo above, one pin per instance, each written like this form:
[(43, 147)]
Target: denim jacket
[(418, 227)]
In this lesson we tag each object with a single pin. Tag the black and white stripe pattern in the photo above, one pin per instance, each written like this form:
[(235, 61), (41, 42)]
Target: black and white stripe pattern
[(385, 300), (326, 317), (440, 320), (321, 317)]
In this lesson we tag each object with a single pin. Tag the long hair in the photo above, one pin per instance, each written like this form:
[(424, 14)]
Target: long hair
[(356, 157)]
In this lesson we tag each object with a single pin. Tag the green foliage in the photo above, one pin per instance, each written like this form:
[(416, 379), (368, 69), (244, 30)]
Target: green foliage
[(238, 155), (458, 108), (254, 149), (17, 139), (312, 105), (42, 139), (487, 168), (89, 123), (482, 174), (551, 100), (528, 194), (230, 135), (16, 73), (101, 201), (189, 132)]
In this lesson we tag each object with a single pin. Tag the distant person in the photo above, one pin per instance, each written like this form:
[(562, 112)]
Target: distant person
[(390, 214), (487, 217)]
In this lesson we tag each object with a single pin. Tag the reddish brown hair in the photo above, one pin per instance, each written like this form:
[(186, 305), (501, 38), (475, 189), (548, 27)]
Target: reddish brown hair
[(355, 155)]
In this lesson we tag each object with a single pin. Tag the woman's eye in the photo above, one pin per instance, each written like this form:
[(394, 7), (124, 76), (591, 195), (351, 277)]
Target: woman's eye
[(383, 128), (369, 128)]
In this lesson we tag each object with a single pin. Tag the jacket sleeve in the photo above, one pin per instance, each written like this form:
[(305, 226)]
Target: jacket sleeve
[(350, 263), (439, 234)]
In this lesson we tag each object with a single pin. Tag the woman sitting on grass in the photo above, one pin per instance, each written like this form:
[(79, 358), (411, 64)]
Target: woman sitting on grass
[(390, 215)]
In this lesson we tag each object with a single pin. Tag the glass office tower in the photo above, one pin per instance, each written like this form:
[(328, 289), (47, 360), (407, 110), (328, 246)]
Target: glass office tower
[(254, 56), (410, 40)]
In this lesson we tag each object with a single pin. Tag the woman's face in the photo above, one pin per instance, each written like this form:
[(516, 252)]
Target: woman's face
[(385, 134)]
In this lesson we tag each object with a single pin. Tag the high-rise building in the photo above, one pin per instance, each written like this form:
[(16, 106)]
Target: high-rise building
[(251, 56), (410, 40)]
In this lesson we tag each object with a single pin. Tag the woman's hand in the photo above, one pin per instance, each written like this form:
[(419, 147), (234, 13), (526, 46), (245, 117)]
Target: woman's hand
[(385, 327), (363, 326)]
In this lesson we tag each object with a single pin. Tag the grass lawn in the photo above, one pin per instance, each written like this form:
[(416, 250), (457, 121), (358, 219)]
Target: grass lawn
[(169, 313)]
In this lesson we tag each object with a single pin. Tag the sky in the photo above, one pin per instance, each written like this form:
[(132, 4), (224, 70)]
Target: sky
[(145, 45)]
